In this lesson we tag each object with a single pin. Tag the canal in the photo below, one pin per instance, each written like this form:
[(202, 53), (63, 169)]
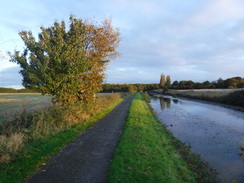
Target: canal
[(213, 131)]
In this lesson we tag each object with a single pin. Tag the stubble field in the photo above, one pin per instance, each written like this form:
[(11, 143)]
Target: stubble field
[(12, 103)]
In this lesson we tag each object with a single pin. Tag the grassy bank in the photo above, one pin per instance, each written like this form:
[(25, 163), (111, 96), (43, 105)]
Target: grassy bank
[(30, 145), (147, 152), (224, 96)]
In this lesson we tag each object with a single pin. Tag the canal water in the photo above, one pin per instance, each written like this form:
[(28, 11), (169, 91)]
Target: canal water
[(214, 132)]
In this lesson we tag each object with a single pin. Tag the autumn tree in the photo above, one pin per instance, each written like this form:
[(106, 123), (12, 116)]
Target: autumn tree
[(168, 81), (67, 62), (132, 88), (162, 81)]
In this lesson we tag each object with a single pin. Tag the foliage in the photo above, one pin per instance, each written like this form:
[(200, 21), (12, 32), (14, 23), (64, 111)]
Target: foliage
[(235, 82), (10, 146), (67, 63), (235, 98), (168, 82), (132, 89), (162, 81), (125, 87)]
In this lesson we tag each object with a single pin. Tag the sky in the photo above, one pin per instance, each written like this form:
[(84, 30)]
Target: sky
[(186, 39)]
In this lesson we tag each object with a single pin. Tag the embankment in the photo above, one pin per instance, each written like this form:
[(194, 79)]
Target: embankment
[(224, 96)]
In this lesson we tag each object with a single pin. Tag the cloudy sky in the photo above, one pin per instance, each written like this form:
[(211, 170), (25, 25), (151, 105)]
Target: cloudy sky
[(186, 39)]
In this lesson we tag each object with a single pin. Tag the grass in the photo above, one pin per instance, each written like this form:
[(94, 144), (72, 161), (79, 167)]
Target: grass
[(38, 150), (214, 95), (147, 152)]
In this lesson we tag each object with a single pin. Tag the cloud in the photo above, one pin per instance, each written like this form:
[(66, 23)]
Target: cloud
[(218, 11)]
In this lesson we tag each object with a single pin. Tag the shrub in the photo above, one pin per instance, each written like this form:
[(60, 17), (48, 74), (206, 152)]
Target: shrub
[(10, 146), (235, 98)]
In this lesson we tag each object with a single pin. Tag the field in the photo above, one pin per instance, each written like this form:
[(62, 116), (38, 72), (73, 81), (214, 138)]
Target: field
[(11, 103)]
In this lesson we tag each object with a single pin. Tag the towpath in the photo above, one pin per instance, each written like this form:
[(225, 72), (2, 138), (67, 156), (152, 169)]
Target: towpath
[(87, 158)]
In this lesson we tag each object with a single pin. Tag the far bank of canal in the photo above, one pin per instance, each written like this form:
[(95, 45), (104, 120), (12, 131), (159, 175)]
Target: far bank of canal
[(214, 132)]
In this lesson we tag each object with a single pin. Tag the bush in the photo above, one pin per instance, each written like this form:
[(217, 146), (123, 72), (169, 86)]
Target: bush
[(10, 146), (235, 98)]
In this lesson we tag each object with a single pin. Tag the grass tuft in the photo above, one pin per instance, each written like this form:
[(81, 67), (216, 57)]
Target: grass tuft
[(10, 146)]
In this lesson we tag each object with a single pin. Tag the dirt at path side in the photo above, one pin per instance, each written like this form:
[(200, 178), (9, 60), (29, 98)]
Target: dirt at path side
[(87, 158)]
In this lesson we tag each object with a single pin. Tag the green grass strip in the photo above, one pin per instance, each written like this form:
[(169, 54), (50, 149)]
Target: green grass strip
[(40, 151), (146, 152)]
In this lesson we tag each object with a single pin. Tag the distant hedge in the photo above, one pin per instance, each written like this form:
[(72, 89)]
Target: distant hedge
[(235, 98), (12, 90)]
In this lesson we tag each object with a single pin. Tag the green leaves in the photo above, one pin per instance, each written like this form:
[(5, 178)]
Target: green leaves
[(68, 63)]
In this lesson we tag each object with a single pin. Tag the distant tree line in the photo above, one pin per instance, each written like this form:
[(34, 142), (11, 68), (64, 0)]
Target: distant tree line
[(234, 82), (129, 87), (12, 90)]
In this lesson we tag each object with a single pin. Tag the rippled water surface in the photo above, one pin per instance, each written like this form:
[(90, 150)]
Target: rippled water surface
[(214, 132)]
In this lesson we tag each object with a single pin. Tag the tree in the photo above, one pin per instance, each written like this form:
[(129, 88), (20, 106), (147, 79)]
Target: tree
[(220, 83), (69, 63), (186, 84), (175, 85), (168, 81), (132, 88), (162, 81), (230, 83), (240, 85)]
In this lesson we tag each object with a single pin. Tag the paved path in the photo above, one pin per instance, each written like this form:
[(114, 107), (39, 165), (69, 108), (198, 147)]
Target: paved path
[(87, 158)]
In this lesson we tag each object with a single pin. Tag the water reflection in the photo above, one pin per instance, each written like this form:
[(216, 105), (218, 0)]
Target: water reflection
[(214, 132), (175, 101), (165, 102)]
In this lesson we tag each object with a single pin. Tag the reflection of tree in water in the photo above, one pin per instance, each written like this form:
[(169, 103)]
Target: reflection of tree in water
[(165, 102), (162, 103), (175, 101)]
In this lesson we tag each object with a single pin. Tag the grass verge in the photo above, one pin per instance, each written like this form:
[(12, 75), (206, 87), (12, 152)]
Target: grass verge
[(38, 151), (147, 152)]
